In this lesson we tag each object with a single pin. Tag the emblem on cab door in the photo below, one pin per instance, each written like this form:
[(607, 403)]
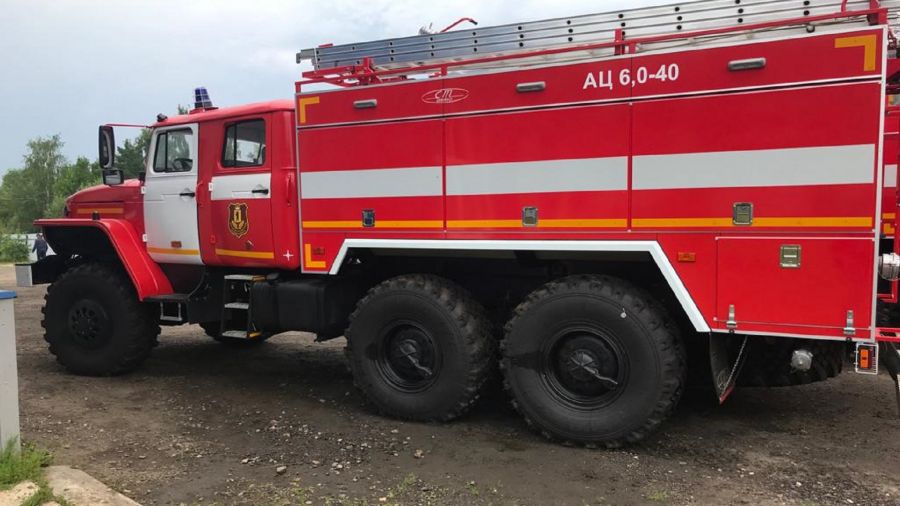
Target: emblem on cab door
[(445, 96), (238, 222)]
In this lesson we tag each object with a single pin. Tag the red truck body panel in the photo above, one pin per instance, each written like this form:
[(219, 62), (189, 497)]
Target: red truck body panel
[(654, 147)]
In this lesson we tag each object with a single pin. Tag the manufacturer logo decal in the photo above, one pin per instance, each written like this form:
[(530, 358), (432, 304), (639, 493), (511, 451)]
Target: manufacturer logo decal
[(445, 96), (238, 222)]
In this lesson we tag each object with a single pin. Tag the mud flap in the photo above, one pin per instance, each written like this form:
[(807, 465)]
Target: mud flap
[(890, 359), (725, 363)]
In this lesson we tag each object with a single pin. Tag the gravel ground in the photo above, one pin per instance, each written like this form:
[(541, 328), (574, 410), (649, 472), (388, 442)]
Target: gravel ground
[(202, 423)]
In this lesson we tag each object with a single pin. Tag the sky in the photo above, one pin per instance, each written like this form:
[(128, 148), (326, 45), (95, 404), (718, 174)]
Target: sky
[(67, 66)]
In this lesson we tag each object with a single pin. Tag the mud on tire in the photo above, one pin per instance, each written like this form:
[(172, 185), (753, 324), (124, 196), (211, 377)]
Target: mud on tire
[(571, 339), (94, 322), (420, 347)]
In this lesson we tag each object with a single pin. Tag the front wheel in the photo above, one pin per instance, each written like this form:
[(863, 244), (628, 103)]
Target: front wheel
[(592, 360), (94, 322)]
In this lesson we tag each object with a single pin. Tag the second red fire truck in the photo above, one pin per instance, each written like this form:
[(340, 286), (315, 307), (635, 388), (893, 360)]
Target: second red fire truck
[(599, 206)]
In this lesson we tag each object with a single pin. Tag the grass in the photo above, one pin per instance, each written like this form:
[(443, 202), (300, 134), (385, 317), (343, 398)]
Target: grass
[(658, 496), (16, 467), (27, 465)]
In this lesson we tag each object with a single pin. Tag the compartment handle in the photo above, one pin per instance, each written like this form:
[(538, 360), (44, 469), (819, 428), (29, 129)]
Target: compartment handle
[(366, 104), (531, 87), (748, 64)]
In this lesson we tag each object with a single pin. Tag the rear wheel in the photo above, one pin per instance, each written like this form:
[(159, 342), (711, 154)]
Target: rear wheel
[(420, 348), (592, 360), (94, 322)]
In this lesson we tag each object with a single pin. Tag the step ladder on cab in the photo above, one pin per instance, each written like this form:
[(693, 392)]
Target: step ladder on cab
[(231, 318)]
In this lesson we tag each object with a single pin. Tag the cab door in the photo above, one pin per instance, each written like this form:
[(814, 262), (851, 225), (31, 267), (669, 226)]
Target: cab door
[(170, 189), (241, 195)]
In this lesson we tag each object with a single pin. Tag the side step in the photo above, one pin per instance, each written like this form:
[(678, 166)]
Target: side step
[(240, 334), (237, 315), (171, 307), (244, 277)]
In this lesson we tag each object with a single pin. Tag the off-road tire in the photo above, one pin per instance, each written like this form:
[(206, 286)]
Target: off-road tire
[(652, 365), (456, 325), (212, 330), (768, 362), (101, 295), (888, 315)]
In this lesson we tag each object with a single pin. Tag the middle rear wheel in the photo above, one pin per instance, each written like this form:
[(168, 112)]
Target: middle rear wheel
[(420, 347), (592, 360)]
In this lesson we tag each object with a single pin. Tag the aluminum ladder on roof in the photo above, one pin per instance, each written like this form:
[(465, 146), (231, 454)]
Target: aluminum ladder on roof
[(456, 46)]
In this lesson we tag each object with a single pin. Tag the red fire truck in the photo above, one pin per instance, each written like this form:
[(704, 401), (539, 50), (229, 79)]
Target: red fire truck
[(599, 206)]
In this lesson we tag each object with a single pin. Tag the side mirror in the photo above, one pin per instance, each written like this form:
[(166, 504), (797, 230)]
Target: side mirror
[(113, 177), (107, 156)]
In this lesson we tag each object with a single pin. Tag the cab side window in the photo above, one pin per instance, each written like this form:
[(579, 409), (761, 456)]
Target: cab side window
[(173, 151), (245, 144)]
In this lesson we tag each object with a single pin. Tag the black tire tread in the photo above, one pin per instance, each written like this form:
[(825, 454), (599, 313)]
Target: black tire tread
[(145, 324), (471, 319), (653, 316), (769, 364)]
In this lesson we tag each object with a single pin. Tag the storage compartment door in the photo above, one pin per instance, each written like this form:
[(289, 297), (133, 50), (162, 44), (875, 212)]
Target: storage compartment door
[(798, 286)]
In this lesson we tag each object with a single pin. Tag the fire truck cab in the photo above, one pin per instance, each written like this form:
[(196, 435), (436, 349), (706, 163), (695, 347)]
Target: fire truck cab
[(601, 206)]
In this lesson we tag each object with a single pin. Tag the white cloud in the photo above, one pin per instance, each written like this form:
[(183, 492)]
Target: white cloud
[(68, 66)]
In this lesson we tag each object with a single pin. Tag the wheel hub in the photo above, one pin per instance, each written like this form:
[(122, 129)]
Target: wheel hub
[(586, 366), (88, 324), (409, 357)]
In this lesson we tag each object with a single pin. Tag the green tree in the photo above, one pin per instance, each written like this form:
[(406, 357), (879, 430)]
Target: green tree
[(17, 203), (40, 189), (27, 193), (43, 163), (131, 155), (81, 174)]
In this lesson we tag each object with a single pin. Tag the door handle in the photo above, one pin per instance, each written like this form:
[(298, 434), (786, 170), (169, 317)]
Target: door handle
[(187, 193), (260, 191)]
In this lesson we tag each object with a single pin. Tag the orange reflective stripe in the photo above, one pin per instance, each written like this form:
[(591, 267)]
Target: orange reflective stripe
[(173, 251), (867, 42), (101, 210), (263, 255), (308, 262)]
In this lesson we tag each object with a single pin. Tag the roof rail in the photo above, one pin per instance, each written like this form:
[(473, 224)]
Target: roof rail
[(616, 31)]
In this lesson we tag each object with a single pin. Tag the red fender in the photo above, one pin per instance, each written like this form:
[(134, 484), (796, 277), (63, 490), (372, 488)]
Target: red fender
[(149, 280)]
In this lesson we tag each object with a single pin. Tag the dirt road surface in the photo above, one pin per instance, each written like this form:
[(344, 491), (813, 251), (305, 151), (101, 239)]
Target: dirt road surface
[(202, 423)]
